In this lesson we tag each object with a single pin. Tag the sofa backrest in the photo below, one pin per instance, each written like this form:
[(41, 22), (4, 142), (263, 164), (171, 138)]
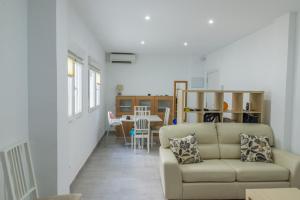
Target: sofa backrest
[(229, 137), (205, 132)]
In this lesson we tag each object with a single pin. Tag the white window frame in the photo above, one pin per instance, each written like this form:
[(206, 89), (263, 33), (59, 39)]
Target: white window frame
[(95, 70), (78, 60)]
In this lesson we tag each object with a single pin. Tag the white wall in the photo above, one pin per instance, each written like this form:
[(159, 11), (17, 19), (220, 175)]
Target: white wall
[(76, 139), (13, 76), (152, 74), (259, 62), (42, 92), (295, 141)]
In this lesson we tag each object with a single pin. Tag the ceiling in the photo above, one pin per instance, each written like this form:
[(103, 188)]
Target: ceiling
[(120, 25)]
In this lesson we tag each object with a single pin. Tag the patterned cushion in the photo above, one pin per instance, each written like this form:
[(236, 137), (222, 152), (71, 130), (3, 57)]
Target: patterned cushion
[(255, 149), (185, 149)]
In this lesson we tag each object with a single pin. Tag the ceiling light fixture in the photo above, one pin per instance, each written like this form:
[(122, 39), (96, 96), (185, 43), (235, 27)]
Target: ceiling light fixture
[(185, 44), (211, 21), (142, 42), (147, 17)]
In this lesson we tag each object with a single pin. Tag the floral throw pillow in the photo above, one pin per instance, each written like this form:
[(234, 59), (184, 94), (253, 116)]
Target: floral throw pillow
[(255, 149), (185, 149)]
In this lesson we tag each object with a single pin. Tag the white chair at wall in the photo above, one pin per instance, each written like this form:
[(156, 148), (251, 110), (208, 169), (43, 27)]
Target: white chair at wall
[(140, 110), (18, 171), (165, 123), (113, 122), (142, 131)]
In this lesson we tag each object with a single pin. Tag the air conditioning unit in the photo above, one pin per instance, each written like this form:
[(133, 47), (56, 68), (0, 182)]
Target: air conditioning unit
[(126, 58)]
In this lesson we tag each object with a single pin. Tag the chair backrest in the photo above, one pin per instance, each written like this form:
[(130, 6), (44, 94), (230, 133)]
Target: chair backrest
[(141, 111), (166, 117), (19, 172), (206, 134), (141, 124), (230, 140), (110, 116)]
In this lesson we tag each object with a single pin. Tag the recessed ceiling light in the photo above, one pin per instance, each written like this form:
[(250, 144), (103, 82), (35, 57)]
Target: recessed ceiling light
[(211, 21), (142, 42), (147, 17), (185, 44)]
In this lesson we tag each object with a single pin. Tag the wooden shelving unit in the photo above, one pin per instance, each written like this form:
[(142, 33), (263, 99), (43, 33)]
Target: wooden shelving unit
[(156, 104), (210, 103)]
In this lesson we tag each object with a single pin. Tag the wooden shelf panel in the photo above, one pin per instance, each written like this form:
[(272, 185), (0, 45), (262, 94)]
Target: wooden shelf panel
[(226, 91)]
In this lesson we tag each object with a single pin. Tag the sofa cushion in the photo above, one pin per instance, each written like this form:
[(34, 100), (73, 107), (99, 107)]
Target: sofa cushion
[(257, 171), (186, 149), (255, 149), (205, 133), (207, 171), (229, 137)]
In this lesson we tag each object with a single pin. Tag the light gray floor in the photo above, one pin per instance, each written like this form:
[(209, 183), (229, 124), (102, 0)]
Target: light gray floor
[(115, 172)]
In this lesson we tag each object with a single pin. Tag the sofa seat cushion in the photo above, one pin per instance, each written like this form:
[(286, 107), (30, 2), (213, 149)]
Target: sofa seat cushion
[(207, 171), (257, 171)]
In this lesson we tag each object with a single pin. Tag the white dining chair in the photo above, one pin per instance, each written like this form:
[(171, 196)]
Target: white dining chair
[(140, 110), (165, 123), (113, 122), (18, 171), (141, 131)]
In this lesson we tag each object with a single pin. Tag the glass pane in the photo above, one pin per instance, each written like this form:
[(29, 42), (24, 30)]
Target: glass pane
[(70, 96), (70, 67), (162, 104), (92, 88), (98, 78), (145, 103), (78, 88), (98, 95), (125, 105)]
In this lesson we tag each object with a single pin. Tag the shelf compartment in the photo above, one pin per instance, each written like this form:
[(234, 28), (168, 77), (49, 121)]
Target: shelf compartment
[(256, 102), (252, 118), (213, 100), (233, 117)]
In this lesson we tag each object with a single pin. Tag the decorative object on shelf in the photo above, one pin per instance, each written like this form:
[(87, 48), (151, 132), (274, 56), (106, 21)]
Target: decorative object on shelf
[(149, 94), (128, 117), (248, 106), (225, 106), (186, 109), (174, 121), (248, 118), (119, 89), (212, 117)]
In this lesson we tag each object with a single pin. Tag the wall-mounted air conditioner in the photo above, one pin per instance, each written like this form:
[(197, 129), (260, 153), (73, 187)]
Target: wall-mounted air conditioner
[(126, 58)]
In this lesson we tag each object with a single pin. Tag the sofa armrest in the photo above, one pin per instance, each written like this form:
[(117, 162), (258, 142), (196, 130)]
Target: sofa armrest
[(63, 197), (170, 174), (290, 161)]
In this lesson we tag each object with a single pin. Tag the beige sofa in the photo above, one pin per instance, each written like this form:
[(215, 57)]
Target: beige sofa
[(222, 175)]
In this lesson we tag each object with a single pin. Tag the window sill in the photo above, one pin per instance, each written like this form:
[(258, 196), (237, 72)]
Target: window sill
[(93, 109), (75, 117)]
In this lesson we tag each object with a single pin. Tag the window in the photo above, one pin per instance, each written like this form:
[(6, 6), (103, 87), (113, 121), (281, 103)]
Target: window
[(74, 86), (94, 88)]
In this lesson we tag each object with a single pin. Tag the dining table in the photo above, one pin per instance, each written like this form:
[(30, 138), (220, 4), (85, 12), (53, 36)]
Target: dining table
[(130, 118), (151, 118)]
